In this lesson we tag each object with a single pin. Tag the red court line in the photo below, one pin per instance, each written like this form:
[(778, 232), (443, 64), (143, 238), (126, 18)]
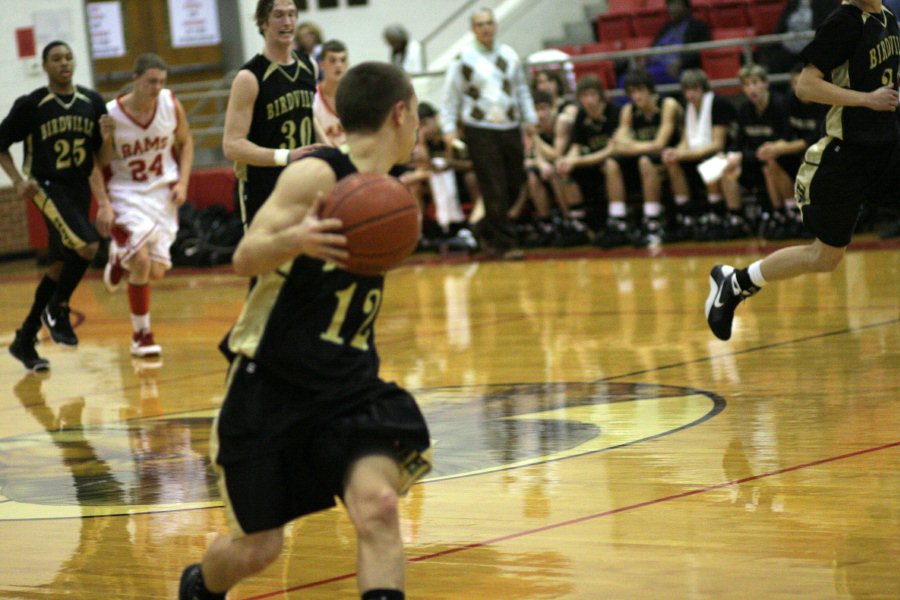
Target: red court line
[(630, 507)]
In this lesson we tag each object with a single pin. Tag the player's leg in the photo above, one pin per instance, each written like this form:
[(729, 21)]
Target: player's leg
[(65, 210), (139, 267), (23, 345), (615, 233), (371, 498), (652, 231)]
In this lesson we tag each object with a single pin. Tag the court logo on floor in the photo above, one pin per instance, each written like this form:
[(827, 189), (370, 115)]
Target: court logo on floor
[(71, 469)]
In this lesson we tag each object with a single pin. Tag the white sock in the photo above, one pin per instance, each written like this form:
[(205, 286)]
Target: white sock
[(617, 209), (715, 198), (140, 322), (652, 209), (681, 199), (756, 275)]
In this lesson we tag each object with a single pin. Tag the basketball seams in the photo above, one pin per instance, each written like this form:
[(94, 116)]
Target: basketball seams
[(381, 217), (367, 181)]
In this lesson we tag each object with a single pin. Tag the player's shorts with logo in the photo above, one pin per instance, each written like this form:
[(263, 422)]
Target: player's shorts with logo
[(144, 219), (836, 178), (282, 453), (66, 210)]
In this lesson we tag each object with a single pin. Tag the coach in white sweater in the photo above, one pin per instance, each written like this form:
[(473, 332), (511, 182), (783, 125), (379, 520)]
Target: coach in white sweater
[(486, 93)]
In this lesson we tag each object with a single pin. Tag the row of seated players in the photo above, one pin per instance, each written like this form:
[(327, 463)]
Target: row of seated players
[(615, 176)]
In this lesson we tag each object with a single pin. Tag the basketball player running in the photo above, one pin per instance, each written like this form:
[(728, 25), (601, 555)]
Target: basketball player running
[(269, 114), (150, 174), (64, 130), (306, 416), (333, 61), (852, 64)]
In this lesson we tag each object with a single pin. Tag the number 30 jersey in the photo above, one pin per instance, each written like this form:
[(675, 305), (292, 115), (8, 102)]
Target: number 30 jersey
[(282, 118), (310, 323), (145, 158), (61, 133)]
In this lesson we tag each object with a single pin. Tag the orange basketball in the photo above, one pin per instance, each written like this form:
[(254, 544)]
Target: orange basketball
[(381, 221)]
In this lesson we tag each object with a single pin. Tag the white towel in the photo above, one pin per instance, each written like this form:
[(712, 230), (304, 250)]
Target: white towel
[(699, 126), (446, 198)]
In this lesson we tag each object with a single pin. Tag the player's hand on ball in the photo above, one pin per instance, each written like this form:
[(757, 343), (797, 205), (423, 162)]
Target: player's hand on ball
[(318, 238)]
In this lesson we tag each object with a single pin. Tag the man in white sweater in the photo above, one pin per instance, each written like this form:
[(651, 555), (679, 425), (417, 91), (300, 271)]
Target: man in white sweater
[(486, 93)]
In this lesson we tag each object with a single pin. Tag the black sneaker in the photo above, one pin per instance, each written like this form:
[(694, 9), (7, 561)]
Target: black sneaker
[(615, 234), (57, 321), (23, 350), (724, 296), (191, 579)]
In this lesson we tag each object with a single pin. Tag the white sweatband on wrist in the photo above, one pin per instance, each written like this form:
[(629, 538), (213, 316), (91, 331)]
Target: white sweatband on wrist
[(282, 157)]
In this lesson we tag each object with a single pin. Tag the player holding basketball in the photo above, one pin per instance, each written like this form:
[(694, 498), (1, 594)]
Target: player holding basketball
[(269, 114), (64, 129), (852, 64), (306, 416), (150, 174)]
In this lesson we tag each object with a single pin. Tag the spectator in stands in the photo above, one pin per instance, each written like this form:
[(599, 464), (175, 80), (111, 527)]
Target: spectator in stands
[(762, 117), (308, 38), (647, 126), (798, 15), (334, 63), (406, 53), (709, 120), (592, 134), (485, 89), (783, 158), (681, 28)]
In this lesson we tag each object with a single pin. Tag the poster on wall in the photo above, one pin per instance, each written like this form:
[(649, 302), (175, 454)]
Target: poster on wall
[(194, 23), (51, 25), (105, 28)]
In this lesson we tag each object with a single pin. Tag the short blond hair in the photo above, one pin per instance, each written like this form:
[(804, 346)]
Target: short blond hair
[(752, 70)]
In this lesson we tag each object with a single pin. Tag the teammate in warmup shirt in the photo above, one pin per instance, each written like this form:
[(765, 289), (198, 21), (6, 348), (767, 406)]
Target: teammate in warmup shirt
[(64, 128), (852, 64), (150, 173)]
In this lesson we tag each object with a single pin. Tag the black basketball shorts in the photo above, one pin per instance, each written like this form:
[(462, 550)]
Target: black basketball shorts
[(836, 178), (284, 475), (66, 210)]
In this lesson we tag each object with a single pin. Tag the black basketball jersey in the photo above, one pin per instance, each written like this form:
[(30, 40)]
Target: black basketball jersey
[(756, 128), (61, 133), (594, 134), (309, 322), (282, 118), (646, 127), (859, 51)]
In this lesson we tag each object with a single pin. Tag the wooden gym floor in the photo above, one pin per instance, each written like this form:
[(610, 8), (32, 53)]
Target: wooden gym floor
[(592, 438)]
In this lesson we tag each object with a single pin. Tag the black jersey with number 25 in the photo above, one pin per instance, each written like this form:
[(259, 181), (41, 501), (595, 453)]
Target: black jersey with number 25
[(61, 133), (859, 51)]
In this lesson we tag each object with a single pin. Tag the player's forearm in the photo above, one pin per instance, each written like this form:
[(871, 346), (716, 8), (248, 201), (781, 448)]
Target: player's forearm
[(9, 167), (815, 89), (244, 151), (185, 161), (259, 253), (98, 187)]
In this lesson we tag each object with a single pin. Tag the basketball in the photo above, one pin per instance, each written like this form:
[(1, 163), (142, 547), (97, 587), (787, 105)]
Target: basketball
[(381, 221)]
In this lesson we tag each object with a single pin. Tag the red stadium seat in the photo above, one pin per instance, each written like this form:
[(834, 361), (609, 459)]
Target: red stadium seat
[(655, 5), (648, 22), (764, 16), (730, 33), (597, 47), (722, 63), (614, 27), (728, 13), (623, 7), (604, 70), (638, 42)]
